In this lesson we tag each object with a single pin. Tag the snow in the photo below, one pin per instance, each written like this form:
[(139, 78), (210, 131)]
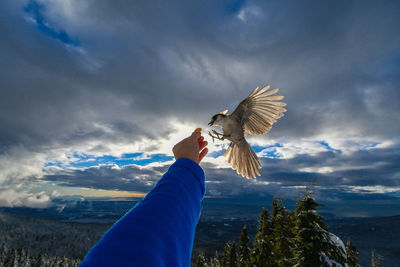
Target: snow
[(338, 243), (331, 263)]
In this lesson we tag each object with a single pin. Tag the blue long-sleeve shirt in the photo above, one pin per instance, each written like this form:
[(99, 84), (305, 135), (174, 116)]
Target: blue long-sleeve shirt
[(159, 230)]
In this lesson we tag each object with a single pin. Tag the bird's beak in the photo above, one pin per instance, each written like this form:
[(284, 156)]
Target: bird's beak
[(211, 123)]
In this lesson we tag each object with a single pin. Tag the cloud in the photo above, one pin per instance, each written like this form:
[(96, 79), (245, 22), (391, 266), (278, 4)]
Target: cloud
[(375, 171), (107, 78), (110, 177), (35, 15), (12, 196), (18, 162), (183, 67)]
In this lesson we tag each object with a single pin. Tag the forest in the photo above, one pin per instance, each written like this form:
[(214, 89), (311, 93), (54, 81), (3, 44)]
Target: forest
[(283, 238), (288, 238)]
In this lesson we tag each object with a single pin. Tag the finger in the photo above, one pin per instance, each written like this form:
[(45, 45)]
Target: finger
[(200, 140), (202, 145), (203, 153)]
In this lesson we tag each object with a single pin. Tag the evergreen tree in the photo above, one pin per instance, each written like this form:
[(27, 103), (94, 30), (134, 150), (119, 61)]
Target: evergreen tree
[(57, 261), (315, 246), (229, 256), (201, 261), (283, 234), (289, 238), (233, 258), (225, 256), (376, 260), (64, 262), (261, 254), (39, 261), (214, 262), (243, 249), (24, 258), (352, 255), (15, 257), (7, 258), (3, 253)]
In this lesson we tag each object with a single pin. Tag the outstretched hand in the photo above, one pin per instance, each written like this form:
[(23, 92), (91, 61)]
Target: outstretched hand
[(192, 147)]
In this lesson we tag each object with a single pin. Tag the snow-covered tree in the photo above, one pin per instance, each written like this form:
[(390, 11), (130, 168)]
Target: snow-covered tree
[(22, 258), (352, 255), (229, 256), (288, 238), (261, 255), (3, 253), (315, 245), (243, 249), (16, 257), (376, 259), (283, 233), (214, 262), (39, 260), (201, 261), (6, 256)]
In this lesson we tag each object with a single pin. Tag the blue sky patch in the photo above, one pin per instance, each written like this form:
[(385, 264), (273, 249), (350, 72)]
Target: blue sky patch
[(368, 146), (35, 10), (271, 153), (86, 161), (327, 146), (145, 160), (261, 148), (268, 151)]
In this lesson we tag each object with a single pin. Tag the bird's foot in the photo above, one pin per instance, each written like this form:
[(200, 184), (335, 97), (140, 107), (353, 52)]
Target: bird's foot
[(216, 135)]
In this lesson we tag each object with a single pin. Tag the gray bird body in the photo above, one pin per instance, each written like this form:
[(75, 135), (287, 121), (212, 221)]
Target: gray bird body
[(256, 114)]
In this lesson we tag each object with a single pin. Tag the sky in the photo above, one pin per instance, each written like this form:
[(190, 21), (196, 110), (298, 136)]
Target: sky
[(95, 93)]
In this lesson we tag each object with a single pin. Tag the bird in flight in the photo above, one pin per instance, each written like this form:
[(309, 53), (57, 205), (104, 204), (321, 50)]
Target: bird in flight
[(256, 114)]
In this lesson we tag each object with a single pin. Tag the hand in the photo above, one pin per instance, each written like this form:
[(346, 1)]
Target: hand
[(192, 147)]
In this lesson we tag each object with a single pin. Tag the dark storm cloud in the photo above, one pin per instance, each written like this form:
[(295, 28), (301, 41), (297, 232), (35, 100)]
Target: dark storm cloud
[(335, 62), (378, 167), (108, 177), (133, 66), (326, 57)]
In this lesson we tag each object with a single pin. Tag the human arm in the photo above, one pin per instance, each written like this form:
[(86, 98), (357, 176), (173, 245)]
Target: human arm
[(159, 230)]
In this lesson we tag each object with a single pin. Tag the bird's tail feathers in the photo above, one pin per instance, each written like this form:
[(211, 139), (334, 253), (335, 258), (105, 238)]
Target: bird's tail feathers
[(243, 159)]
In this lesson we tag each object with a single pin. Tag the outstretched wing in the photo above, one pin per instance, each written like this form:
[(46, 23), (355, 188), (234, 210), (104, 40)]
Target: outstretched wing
[(260, 110)]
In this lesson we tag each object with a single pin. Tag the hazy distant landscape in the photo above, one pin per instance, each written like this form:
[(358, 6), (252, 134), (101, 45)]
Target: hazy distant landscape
[(61, 234)]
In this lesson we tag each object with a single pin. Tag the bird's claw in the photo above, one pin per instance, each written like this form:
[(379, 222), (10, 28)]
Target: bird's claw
[(216, 135)]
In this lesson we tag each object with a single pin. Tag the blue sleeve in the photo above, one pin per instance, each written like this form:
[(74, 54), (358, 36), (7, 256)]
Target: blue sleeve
[(159, 230)]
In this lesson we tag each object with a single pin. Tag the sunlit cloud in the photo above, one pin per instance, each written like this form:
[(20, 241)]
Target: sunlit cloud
[(378, 189)]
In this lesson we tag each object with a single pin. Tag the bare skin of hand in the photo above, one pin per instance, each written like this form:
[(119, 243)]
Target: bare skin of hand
[(192, 147)]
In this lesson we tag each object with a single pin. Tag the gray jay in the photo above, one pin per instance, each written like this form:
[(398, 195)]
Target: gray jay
[(255, 115)]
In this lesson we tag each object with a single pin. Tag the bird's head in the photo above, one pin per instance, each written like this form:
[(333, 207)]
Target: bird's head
[(217, 119)]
